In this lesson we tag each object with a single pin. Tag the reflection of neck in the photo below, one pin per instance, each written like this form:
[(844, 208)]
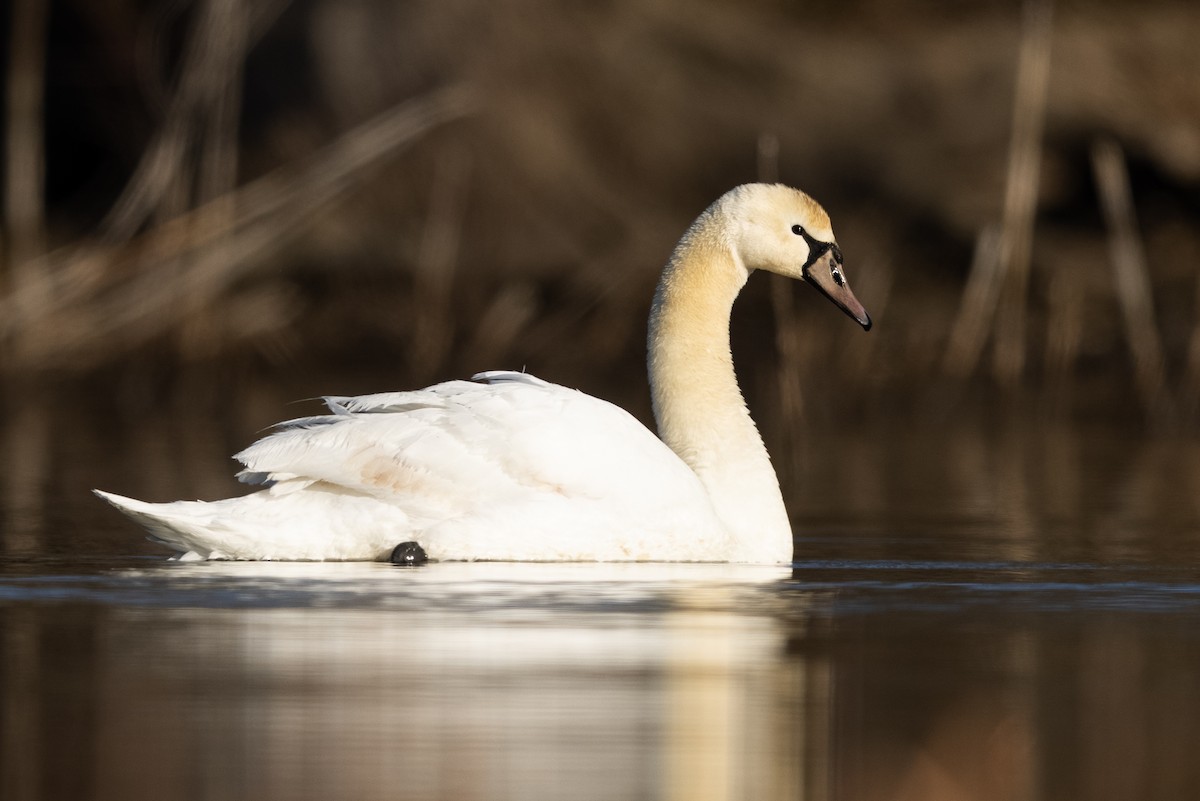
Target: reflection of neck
[(697, 402)]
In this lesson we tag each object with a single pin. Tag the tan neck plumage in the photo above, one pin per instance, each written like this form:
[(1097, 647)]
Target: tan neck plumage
[(698, 405)]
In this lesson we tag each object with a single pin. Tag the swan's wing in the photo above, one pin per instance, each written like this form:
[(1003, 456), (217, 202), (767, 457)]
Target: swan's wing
[(460, 446)]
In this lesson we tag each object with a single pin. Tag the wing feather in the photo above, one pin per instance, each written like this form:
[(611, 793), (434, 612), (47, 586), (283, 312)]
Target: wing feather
[(460, 446)]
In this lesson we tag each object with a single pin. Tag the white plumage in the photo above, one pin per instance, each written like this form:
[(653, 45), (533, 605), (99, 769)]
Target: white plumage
[(510, 467), (481, 470)]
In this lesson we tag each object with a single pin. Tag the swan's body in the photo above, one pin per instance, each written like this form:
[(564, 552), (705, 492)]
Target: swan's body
[(510, 467)]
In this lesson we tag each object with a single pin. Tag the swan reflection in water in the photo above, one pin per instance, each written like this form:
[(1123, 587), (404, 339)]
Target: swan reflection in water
[(867, 679), (466, 681)]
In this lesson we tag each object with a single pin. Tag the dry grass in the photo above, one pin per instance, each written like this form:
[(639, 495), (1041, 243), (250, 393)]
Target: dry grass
[(1021, 190), (1131, 276), (976, 312), (595, 135), (95, 297), (24, 205)]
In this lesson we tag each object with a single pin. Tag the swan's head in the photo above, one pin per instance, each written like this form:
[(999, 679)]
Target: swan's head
[(783, 230)]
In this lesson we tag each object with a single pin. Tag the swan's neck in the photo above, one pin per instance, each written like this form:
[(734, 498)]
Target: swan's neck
[(698, 405)]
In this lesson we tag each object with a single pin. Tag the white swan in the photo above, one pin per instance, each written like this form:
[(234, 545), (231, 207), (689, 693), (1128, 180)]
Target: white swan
[(510, 467)]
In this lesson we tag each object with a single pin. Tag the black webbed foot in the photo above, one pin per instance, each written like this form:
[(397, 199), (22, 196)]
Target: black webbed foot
[(409, 554)]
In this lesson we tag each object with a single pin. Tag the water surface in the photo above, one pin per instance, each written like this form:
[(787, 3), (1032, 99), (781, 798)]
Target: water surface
[(970, 616)]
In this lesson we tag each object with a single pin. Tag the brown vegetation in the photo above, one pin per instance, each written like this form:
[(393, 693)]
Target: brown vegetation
[(436, 188)]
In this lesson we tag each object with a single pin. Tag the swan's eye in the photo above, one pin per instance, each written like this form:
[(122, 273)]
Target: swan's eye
[(798, 230), (837, 276)]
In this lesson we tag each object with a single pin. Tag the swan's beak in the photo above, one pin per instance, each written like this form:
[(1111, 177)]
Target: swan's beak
[(827, 275)]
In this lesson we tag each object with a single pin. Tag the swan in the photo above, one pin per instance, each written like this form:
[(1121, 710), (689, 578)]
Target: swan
[(508, 467)]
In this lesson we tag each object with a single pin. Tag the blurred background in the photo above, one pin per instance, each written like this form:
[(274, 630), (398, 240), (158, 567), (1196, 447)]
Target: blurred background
[(422, 190)]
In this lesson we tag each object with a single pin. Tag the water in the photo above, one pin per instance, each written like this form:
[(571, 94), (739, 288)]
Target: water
[(1008, 615)]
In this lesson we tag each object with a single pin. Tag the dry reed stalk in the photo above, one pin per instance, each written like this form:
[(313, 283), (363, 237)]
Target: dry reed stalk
[(218, 168), (437, 257), (217, 145), (214, 248), (155, 183), (206, 96), (1020, 197), (24, 158), (1064, 335), (1131, 275), (977, 309), (161, 187), (1191, 375)]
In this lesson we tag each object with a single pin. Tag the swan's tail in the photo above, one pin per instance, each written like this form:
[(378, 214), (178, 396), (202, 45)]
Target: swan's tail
[(172, 524), (308, 525)]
